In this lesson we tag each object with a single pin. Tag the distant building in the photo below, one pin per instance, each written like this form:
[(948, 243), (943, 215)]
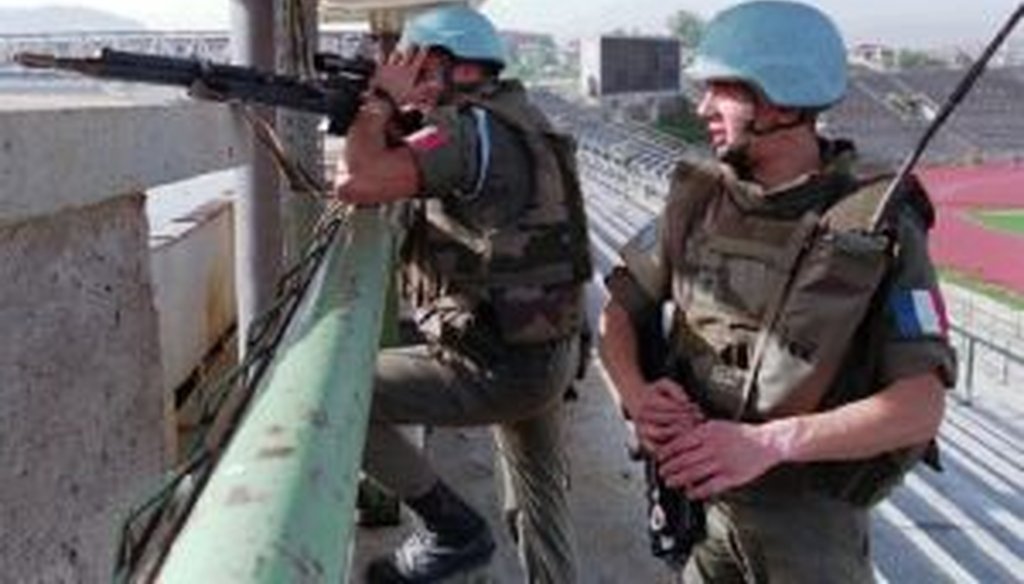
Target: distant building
[(874, 56), (531, 55)]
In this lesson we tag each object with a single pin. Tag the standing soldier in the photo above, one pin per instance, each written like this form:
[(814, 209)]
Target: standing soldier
[(809, 350), (494, 264)]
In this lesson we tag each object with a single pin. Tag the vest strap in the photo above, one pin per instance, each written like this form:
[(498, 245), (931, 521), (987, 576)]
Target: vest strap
[(794, 251)]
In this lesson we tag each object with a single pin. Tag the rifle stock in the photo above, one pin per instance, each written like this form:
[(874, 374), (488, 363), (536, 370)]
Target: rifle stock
[(335, 93)]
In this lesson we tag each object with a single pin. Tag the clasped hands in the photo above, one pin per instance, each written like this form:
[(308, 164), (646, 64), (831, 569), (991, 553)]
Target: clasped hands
[(703, 457)]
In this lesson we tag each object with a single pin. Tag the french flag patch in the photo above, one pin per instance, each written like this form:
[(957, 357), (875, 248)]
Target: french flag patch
[(919, 313), (427, 139)]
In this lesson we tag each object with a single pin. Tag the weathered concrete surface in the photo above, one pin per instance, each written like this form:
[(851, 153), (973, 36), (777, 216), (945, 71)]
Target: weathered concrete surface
[(80, 401), (106, 147), (194, 289)]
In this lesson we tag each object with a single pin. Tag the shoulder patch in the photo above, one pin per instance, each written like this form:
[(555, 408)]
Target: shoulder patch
[(918, 312), (428, 139)]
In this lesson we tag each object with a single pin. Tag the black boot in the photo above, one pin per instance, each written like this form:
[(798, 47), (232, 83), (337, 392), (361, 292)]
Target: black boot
[(453, 539), (376, 506)]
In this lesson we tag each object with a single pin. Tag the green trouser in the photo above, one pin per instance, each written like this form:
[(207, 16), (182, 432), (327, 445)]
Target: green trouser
[(521, 394), (778, 534)]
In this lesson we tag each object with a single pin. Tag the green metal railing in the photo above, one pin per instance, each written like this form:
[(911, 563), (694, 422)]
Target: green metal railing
[(279, 506)]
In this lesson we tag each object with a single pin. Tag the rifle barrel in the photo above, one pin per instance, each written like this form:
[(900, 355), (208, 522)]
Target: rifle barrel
[(224, 80)]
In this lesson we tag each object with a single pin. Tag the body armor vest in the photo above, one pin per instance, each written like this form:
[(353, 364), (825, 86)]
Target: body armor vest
[(780, 313), (767, 305), (523, 280)]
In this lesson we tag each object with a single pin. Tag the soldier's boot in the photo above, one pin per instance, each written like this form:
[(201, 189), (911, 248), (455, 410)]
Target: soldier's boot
[(376, 506), (452, 539)]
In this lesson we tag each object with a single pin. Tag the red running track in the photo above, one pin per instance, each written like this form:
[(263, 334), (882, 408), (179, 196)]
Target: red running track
[(960, 242)]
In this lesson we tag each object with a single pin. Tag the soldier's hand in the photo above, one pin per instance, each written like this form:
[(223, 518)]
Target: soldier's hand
[(716, 456), (398, 75), (663, 411)]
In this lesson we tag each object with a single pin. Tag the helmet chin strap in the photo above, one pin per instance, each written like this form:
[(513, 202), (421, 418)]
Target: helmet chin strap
[(800, 120), (737, 155)]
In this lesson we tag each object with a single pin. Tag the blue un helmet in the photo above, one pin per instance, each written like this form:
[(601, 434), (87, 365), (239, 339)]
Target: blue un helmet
[(792, 53), (461, 30)]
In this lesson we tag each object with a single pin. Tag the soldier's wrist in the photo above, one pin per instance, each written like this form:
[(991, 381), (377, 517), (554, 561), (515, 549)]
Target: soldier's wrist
[(781, 439), (632, 397)]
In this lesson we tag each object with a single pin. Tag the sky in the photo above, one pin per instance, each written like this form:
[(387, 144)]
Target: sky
[(913, 23)]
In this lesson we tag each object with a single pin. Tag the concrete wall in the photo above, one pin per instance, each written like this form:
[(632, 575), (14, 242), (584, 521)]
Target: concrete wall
[(79, 373), (81, 387)]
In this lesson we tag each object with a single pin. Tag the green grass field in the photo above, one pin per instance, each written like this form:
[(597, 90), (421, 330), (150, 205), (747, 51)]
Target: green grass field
[(1011, 221)]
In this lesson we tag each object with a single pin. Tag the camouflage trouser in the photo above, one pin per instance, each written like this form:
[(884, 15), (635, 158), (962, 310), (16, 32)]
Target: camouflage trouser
[(782, 535), (522, 395)]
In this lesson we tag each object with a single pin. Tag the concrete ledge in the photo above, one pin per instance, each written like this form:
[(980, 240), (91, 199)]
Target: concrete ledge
[(62, 154)]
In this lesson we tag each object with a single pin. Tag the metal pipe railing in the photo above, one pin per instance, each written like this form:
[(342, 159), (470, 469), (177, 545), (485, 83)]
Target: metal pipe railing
[(279, 506), (973, 342)]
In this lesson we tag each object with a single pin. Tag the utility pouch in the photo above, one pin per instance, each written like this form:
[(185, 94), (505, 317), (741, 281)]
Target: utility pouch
[(834, 264), (802, 349), (469, 334)]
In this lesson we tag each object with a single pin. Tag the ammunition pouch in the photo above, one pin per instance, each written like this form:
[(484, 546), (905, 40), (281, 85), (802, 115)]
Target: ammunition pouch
[(463, 334)]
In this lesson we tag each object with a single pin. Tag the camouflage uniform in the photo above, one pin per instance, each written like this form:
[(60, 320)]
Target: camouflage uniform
[(494, 266), (718, 251)]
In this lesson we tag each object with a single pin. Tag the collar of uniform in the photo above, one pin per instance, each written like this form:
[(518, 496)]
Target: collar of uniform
[(811, 191), (489, 89)]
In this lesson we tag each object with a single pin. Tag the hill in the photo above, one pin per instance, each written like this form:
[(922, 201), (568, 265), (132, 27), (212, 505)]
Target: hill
[(62, 19)]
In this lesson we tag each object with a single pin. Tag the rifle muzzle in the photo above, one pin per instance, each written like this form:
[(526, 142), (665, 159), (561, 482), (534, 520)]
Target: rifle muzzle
[(36, 60)]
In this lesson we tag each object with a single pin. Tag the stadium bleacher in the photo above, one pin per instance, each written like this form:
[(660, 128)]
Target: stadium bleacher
[(884, 113)]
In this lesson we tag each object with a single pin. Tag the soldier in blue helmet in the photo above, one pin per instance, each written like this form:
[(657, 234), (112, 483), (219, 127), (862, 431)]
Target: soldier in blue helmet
[(809, 351), (494, 266)]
